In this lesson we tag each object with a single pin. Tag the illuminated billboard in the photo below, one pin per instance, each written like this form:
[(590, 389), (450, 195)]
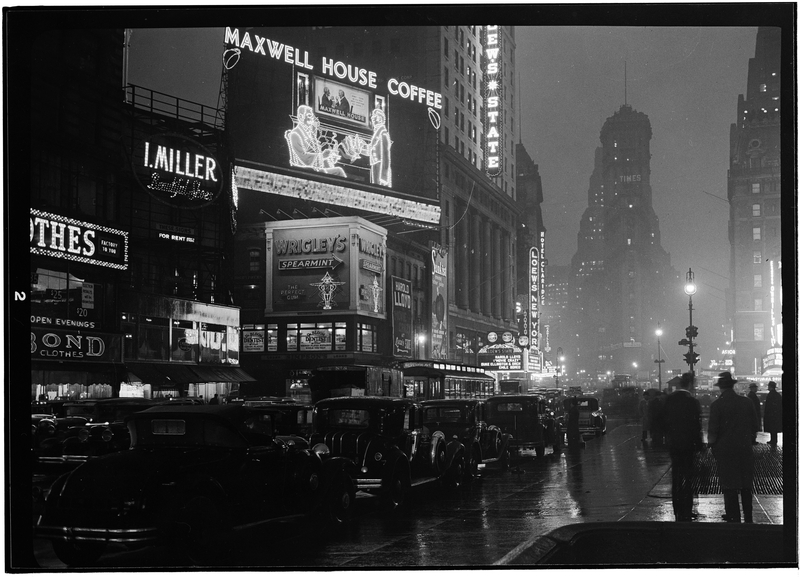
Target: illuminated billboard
[(492, 98), (327, 265), (439, 302), (292, 106)]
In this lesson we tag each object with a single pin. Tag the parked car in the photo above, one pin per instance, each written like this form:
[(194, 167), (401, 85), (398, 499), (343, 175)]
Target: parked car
[(92, 427), (592, 420), (389, 442), (465, 420), (193, 475), (528, 420), (290, 417)]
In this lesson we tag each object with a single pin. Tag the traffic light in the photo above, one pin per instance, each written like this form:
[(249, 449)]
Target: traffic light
[(691, 358), (691, 331), (684, 342)]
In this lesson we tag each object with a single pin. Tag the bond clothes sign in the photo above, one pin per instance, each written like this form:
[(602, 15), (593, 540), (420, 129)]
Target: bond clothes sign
[(177, 171), (439, 302), (328, 265), (402, 318), (61, 345), (61, 237)]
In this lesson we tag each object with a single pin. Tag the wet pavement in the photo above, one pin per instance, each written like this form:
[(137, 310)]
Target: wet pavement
[(614, 478)]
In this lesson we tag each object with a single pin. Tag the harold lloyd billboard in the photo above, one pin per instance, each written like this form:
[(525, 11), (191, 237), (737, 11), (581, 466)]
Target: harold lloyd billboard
[(329, 265), (292, 105)]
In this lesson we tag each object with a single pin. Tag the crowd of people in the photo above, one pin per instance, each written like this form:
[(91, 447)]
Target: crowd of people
[(674, 421)]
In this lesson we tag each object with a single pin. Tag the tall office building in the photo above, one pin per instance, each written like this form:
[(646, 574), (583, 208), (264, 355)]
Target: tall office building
[(754, 192), (624, 276)]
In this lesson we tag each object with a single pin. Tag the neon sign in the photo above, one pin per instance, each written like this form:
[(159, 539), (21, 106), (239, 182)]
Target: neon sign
[(61, 237), (533, 319), (177, 170), (493, 116)]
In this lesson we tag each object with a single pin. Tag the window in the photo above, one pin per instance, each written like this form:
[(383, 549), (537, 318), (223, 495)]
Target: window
[(255, 260), (758, 304), (758, 332), (756, 209), (756, 257), (446, 47), (756, 233), (755, 188), (446, 138), (367, 338), (446, 77), (757, 281), (446, 107)]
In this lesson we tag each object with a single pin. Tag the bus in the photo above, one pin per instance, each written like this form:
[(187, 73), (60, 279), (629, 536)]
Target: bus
[(424, 380), (355, 381)]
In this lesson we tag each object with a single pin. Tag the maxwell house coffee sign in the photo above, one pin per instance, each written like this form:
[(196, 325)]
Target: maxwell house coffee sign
[(58, 236), (177, 171)]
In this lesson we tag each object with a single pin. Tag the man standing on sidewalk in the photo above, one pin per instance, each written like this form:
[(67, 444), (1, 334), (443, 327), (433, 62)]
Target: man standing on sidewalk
[(731, 426), (684, 432)]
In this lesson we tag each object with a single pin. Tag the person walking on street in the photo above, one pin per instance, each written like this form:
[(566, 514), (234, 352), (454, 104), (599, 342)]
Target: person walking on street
[(731, 426), (644, 414), (773, 413), (757, 404), (684, 434), (654, 407)]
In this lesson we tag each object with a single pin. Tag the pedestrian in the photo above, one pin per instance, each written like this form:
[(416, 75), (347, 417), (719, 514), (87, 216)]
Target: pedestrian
[(731, 426), (684, 434), (654, 409), (574, 439), (757, 404), (645, 416), (773, 413), (214, 400)]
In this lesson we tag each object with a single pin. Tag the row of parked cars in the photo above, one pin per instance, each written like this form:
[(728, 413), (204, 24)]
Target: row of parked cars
[(192, 474)]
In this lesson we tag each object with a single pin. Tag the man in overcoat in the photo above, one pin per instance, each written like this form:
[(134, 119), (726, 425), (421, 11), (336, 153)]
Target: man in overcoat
[(773, 413), (684, 432), (756, 404), (731, 426)]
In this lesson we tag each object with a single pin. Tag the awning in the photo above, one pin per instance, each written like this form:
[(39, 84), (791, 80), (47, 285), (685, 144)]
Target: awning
[(221, 374), (177, 374), (146, 373)]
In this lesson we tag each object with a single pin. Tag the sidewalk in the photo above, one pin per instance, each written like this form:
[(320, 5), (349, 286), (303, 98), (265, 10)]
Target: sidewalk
[(709, 504)]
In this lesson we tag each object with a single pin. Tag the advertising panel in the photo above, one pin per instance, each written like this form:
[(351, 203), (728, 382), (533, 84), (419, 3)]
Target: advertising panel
[(294, 106), (492, 97), (310, 268), (253, 341), (439, 304), (61, 345), (177, 170), (371, 265), (500, 356), (402, 318), (533, 306), (58, 236)]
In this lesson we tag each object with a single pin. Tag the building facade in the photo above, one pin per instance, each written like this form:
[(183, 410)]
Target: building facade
[(755, 300), (625, 287)]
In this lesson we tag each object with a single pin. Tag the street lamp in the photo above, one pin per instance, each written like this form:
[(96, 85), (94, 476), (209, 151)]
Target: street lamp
[(559, 359), (690, 288), (659, 360)]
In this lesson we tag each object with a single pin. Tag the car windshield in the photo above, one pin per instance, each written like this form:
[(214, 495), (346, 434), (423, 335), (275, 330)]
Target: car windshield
[(380, 420), (588, 404), (80, 410)]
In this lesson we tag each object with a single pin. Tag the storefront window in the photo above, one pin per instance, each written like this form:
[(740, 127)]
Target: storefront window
[(153, 338), (213, 346), (272, 337), (316, 336), (340, 336), (233, 346), (185, 341), (367, 338), (292, 336), (62, 298)]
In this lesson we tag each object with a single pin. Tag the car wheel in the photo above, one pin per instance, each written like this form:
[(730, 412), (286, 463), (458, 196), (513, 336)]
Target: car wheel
[(78, 554), (471, 471), (341, 501), (205, 528)]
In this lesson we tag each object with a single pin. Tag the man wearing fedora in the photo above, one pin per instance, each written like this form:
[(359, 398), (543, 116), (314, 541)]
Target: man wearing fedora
[(684, 432), (773, 413), (731, 426)]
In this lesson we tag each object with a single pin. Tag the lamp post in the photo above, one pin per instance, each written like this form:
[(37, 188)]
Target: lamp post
[(659, 360), (690, 288), (559, 358)]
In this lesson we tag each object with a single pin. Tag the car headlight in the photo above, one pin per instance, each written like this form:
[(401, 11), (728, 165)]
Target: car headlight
[(107, 435), (83, 435)]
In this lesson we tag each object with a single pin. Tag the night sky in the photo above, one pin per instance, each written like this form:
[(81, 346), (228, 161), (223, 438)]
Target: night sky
[(571, 79)]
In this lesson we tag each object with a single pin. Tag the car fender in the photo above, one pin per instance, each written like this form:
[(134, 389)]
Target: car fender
[(396, 463)]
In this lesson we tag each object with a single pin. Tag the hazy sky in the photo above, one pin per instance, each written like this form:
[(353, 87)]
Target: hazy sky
[(571, 79)]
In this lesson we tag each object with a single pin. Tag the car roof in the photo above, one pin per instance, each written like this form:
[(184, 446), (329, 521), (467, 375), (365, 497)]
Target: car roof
[(365, 401), (451, 402), (507, 398)]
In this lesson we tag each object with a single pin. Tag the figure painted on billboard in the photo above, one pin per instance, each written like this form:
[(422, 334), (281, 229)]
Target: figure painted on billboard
[(326, 102), (342, 104), (378, 149), (306, 149)]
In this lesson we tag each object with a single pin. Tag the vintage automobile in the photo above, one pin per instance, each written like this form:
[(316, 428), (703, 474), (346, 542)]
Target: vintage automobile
[(90, 428), (291, 417), (193, 475), (528, 420), (390, 444), (591, 420), (465, 420)]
